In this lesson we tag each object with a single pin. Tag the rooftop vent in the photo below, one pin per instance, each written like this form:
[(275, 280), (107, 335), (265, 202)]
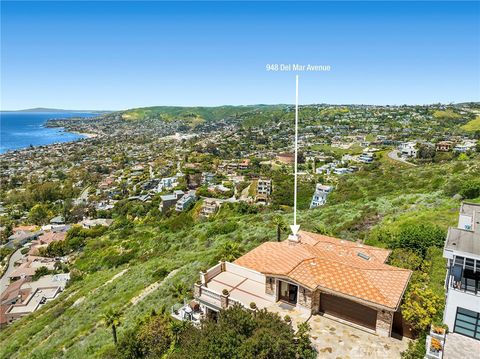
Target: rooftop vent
[(363, 255)]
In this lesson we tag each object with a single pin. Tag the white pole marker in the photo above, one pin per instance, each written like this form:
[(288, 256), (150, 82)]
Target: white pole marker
[(295, 227)]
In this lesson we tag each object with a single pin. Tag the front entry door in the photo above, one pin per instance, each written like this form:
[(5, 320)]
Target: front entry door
[(288, 292)]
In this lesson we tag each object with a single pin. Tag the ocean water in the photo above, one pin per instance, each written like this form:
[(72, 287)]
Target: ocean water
[(23, 129)]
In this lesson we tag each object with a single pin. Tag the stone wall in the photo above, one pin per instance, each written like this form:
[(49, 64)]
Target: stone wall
[(384, 323), (304, 297), (271, 286), (315, 302)]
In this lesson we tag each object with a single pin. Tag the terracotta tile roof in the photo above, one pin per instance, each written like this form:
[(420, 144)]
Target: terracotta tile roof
[(333, 265)]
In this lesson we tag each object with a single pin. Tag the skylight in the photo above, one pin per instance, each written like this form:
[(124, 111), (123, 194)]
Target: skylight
[(363, 255)]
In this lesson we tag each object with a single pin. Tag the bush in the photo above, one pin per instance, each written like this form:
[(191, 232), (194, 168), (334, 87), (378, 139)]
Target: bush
[(405, 258), (419, 237), (40, 272), (471, 189), (244, 334), (421, 307)]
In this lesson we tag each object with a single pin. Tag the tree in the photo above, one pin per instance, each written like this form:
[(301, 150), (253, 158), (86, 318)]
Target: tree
[(304, 345), (38, 214), (239, 333), (179, 290), (421, 306), (405, 258), (40, 272), (471, 189), (230, 251), (112, 320), (418, 237), (279, 222), (426, 151)]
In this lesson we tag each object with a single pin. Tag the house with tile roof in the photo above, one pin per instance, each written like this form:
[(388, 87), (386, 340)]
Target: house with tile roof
[(344, 280)]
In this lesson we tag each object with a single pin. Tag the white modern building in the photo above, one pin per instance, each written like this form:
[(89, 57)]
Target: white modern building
[(185, 201), (320, 196), (462, 250), (408, 149)]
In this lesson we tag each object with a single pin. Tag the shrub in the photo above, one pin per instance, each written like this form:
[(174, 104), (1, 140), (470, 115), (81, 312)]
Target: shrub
[(421, 307), (418, 237), (471, 189)]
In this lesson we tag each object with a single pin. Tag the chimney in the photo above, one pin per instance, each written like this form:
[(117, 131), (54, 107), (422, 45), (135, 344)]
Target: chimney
[(294, 238)]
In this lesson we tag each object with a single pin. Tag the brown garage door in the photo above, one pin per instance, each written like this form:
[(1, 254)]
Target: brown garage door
[(348, 310)]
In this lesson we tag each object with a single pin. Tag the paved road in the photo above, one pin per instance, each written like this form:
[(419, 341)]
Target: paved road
[(394, 156), (4, 280)]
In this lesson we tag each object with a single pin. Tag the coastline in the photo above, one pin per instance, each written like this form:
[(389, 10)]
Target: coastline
[(86, 135)]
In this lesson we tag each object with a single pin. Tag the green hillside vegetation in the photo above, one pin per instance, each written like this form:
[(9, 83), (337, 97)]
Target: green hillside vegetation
[(406, 209), (473, 125), (169, 113), (448, 114)]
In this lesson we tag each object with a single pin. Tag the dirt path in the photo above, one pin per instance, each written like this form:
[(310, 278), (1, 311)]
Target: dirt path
[(151, 288)]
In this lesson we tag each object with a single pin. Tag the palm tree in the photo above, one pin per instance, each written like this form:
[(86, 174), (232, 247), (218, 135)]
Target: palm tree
[(281, 225), (176, 328), (112, 319), (179, 290), (230, 251)]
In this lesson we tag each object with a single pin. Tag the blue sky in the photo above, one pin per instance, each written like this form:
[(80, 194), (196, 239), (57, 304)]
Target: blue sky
[(117, 55)]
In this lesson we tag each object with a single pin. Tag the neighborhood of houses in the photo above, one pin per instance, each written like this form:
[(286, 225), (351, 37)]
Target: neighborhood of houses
[(315, 275), (22, 290)]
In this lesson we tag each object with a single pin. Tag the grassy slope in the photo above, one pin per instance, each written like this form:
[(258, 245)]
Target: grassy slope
[(382, 197), (186, 113), (473, 125)]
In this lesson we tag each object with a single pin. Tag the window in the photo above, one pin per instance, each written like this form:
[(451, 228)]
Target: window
[(467, 322)]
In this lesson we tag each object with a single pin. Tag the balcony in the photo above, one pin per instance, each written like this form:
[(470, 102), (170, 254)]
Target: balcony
[(464, 280)]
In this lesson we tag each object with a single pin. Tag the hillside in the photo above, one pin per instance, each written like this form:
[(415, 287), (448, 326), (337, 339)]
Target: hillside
[(114, 270), (168, 113), (473, 125)]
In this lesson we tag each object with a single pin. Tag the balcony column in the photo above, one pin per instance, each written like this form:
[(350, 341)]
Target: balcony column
[(224, 301), (197, 290)]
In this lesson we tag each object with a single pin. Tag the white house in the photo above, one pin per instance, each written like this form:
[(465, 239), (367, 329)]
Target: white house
[(185, 201), (408, 149), (467, 145), (320, 196), (462, 250)]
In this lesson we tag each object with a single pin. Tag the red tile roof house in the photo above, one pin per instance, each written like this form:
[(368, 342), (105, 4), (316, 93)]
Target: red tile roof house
[(340, 279)]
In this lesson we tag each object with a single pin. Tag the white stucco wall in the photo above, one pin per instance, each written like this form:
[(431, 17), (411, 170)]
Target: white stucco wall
[(456, 299)]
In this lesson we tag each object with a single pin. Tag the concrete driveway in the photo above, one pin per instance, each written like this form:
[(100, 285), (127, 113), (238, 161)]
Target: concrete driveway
[(394, 155), (4, 281)]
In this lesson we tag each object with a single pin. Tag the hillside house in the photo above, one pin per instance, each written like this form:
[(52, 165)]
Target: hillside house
[(170, 200), (444, 146), (209, 207), (185, 201), (465, 146), (320, 195), (316, 274), (264, 190), (408, 149)]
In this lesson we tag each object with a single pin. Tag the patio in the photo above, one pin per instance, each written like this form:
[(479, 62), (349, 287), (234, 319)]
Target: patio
[(333, 339), (241, 289), (459, 347)]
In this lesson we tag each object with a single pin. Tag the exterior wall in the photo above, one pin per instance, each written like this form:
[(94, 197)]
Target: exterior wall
[(316, 302), (384, 323), (212, 272), (245, 272), (456, 298), (304, 297), (271, 286)]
